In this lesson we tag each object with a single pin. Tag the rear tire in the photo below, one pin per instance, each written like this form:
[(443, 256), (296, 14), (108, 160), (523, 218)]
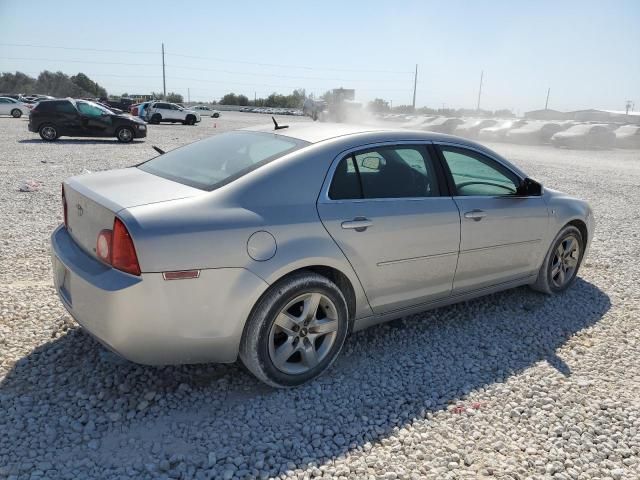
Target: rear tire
[(156, 118), (562, 262), (48, 132), (295, 331), (125, 134), (16, 113)]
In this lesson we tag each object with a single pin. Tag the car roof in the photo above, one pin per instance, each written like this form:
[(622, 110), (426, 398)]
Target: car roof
[(319, 132), (356, 135)]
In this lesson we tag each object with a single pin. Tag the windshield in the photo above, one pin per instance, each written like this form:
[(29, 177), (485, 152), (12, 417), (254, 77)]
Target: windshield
[(216, 161)]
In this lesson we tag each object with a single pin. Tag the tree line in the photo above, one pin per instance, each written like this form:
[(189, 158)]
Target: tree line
[(276, 100), (56, 84)]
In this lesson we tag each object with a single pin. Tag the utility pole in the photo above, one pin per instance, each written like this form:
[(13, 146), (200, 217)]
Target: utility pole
[(415, 86), (546, 104), (255, 98), (628, 106), (480, 90), (188, 95), (164, 80)]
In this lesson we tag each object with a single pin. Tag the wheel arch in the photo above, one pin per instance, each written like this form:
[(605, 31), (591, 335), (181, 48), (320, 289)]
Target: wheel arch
[(582, 226)]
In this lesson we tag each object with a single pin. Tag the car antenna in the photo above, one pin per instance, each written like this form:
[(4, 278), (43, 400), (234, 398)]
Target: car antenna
[(278, 127), (158, 149)]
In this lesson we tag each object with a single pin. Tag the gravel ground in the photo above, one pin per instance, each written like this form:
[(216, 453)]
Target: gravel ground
[(511, 386)]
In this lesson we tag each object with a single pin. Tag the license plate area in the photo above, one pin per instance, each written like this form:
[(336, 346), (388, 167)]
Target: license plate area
[(63, 282)]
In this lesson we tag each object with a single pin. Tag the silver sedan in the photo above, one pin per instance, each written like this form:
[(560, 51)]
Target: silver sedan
[(273, 245)]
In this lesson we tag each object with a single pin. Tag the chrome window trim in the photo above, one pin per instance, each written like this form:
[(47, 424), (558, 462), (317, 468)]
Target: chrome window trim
[(324, 198)]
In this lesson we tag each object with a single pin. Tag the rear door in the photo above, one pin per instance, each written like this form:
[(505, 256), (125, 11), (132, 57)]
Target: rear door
[(6, 106), (387, 209), (501, 230), (64, 114)]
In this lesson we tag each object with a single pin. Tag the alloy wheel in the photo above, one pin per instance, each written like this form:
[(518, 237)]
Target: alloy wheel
[(125, 135), (49, 133), (303, 333), (565, 261)]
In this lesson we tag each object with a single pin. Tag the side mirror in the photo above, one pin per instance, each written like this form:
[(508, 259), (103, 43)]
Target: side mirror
[(530, 188), (371, 163)]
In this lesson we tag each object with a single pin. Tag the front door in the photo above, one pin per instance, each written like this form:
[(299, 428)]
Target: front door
[(501, 230), (383, 207), (96, 122)]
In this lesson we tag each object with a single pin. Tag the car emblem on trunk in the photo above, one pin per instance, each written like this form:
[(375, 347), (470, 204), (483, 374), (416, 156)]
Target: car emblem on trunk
[(80, 209)]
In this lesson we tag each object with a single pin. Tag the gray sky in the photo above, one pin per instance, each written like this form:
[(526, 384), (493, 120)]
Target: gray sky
[(588, 52)]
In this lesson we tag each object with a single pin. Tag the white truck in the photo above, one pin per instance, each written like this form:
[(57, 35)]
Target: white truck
[(158, 112)]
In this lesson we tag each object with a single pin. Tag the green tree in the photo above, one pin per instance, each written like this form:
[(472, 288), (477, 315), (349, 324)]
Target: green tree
[(17, 83), (174, 97), (243, 100), (88, 85), (229, 99)]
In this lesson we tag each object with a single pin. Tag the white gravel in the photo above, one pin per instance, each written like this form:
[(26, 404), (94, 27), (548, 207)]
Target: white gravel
[(513, 386)]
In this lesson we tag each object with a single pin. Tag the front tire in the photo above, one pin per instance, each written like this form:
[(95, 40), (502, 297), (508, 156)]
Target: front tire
[(190, 120), (562, 262), (125, 134), (48, 132), (16, 113), (295, 331)]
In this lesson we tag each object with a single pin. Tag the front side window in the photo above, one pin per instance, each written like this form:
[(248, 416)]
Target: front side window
[(91, 109), (218, 160), (477, 175), (385, 172)]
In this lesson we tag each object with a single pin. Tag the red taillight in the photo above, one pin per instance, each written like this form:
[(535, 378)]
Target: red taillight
[(115, 247), (123, 253), (64, 207)]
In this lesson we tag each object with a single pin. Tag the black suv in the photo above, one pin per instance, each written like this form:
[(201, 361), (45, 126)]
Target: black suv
[(81, 118)]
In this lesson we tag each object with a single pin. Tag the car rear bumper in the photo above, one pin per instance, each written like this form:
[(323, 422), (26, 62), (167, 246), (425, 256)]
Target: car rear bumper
[(150, 320)]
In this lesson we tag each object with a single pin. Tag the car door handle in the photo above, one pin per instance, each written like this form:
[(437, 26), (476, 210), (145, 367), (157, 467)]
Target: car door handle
[(476, 215), (359, 224)]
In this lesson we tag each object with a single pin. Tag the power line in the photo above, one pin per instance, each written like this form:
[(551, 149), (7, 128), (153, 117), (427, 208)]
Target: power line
[(216, 59), (201, 69)]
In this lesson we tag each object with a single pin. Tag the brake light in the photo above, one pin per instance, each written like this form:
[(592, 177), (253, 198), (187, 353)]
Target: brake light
[(64, 207), (116, 248)]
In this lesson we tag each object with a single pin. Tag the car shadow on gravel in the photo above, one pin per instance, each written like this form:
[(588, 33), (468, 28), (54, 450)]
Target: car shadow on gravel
[(73, 399)]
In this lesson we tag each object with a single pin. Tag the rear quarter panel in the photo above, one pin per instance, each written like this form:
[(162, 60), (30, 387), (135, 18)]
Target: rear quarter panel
[(212, 230)]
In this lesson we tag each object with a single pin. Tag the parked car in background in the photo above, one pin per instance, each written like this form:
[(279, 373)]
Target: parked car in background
[(596, 136), (13, 107), (206, 111), (535, 133), (628, 136), (272, 246), (442, 125), (81, 118), (470, 128), (498, 132), (157, 112)]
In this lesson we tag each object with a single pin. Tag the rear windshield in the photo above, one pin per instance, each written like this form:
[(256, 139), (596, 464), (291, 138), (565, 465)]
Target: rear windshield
[(216, 161)]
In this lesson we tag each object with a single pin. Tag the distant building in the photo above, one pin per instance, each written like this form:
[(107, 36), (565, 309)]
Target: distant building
[(546, 114)]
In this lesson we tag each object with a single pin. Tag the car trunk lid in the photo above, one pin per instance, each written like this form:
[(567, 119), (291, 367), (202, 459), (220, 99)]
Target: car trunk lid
[(94, 200)]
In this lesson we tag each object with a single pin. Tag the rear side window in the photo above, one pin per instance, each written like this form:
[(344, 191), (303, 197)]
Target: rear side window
[(385, 172), (218, 160)]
